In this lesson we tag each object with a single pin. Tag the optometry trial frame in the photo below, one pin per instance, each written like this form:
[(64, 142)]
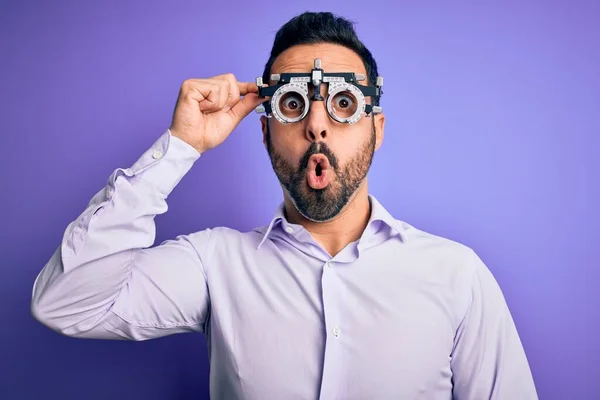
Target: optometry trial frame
[(345, 102)]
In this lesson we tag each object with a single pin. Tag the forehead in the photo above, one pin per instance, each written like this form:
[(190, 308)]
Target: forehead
[(334, 58)]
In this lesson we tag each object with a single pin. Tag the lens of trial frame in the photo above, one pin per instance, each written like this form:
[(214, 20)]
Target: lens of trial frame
[(291, 105), (344, 104)]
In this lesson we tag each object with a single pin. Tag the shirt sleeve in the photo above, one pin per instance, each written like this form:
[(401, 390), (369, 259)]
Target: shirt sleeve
[(488, 360), (105, 281)]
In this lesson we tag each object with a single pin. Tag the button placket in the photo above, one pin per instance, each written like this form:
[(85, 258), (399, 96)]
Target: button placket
[(333, 356), (336, 329)]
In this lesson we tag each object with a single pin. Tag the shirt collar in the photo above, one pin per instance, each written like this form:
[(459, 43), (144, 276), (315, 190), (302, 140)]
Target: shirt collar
[(277, 218), (378, 213)]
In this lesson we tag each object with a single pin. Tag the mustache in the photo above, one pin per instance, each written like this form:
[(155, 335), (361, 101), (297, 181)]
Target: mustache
[(318, 148)]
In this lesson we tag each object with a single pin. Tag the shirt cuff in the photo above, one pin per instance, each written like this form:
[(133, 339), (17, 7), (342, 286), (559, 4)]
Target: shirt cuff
[(165, 163)]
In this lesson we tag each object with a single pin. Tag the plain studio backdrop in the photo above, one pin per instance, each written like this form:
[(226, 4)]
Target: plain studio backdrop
[(491, 139)]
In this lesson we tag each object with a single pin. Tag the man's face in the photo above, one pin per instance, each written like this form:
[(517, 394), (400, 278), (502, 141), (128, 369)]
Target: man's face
[(320, 162)]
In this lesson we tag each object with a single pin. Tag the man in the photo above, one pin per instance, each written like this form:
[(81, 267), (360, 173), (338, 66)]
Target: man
[(334, 298)]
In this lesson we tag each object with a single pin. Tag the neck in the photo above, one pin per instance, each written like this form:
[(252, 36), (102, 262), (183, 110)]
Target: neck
[(346, 227)]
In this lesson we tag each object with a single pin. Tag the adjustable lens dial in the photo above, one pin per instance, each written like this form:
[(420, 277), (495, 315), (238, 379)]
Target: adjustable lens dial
[(290, 103), (345, 102)]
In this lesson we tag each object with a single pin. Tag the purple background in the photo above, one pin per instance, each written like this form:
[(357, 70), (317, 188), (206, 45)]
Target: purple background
[(493, 116)]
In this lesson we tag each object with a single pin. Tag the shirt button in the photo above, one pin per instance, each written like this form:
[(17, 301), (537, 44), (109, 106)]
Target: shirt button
[(157, 154), (329, 265), (289, 229), (336, 331)]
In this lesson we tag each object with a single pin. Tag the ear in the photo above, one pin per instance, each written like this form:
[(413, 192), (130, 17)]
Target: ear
[(263, 126), (379, 125)]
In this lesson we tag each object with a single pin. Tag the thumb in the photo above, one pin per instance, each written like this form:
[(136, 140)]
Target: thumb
[(245, 106)]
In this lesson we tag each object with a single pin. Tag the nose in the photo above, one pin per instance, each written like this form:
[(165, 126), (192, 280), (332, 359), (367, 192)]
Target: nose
[(317, 122)]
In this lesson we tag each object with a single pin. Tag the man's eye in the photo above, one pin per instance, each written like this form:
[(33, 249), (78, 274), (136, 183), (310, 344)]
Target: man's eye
[(344, 104), (344, 101), (292, 103)]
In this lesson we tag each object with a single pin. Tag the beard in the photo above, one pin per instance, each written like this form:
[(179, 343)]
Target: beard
[(321, 205)]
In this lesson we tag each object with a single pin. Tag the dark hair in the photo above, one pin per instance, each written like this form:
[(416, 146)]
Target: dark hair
[(321, 27)]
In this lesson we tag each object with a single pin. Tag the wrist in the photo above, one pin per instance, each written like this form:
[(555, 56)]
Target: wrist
[(185, 138)]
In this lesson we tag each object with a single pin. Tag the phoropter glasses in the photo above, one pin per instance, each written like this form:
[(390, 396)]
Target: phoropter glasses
[(345, 100)]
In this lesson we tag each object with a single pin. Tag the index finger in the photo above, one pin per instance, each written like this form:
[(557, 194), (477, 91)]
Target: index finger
[(247, 87)]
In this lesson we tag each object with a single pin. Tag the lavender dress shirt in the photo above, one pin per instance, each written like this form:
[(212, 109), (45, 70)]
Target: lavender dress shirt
[(398, 314)]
